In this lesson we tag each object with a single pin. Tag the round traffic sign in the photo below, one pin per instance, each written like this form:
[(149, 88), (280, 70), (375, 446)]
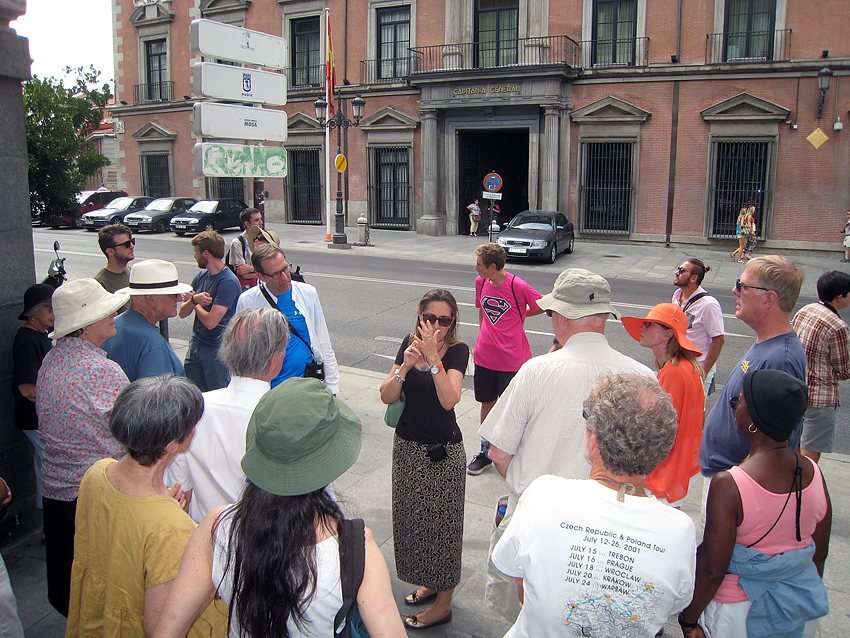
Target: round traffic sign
[(341, 163), (493, 182)]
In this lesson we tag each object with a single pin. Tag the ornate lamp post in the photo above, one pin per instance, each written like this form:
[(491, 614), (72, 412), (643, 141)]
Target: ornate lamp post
[(339, 122), (824, 77)]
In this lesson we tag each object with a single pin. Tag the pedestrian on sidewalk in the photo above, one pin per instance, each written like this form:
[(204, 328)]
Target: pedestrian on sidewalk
[(503, 301), (474, 218), (846, 232)]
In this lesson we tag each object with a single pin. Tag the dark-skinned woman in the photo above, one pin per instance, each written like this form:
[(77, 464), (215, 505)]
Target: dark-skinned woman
[(760, 566)]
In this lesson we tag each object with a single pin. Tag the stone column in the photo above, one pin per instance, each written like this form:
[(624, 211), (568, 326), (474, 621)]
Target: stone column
[(431, 222), (17, 255), (549, 158)]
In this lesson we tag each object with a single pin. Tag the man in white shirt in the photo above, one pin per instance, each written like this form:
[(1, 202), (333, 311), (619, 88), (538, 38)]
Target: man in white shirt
[(210, 474), (239, 255), (536, 426)]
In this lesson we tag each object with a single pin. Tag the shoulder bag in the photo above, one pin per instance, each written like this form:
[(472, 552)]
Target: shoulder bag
[(352, 562)]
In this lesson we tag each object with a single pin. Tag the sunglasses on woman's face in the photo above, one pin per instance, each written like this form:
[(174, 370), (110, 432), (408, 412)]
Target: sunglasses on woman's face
[(444, 321)]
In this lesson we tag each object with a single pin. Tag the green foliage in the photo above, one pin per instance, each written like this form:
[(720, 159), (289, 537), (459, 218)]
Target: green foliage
[(58, 120)]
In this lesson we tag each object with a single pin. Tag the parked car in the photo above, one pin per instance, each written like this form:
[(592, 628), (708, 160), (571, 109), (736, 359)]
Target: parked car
[(157, 215), (114, 212), (209, 214), (538, 233), (88, 201)]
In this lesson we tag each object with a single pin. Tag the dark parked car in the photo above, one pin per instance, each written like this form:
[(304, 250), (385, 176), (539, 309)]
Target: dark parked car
[(209, 214), (88, 201), (538, 233), (158, 214), (114, 212)]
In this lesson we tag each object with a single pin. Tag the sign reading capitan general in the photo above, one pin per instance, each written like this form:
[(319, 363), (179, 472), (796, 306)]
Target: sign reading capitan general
[(488, 89)]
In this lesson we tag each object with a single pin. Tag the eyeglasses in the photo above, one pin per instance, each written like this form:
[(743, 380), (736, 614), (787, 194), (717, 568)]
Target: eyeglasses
[(735, 402), (278, 275), (739, 286), (649, 324), (584, 414), (680, 270), (126, 244), (548, 313), (444, 321)]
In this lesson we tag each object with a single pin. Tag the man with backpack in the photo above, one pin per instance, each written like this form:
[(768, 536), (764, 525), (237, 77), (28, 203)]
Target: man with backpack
[(239, 255)]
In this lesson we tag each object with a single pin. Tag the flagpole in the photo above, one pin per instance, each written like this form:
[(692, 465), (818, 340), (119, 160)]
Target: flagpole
[(329, 93)]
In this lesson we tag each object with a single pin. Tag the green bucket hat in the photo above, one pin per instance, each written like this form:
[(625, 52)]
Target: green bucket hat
[(300, 438)]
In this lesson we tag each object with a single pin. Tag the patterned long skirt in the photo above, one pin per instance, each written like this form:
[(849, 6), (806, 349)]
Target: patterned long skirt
[(428, 503)]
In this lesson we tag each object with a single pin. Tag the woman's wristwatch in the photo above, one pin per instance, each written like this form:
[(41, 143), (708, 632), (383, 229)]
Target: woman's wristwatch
[(436, 369), (686, 625)]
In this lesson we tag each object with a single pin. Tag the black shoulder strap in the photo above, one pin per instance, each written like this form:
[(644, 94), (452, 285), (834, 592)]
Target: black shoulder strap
[(244, 247), (693, 299), (352, 562), (274, 305)]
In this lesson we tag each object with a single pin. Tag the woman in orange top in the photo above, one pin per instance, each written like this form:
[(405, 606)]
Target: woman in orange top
[(664, 331)]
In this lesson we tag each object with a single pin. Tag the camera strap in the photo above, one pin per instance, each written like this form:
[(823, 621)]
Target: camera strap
[(292, 329)]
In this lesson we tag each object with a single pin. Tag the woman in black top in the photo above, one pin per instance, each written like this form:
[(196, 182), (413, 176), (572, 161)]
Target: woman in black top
[(429, 462)]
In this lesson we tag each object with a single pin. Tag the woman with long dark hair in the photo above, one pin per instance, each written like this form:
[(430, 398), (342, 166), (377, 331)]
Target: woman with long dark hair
[(429, 462), (274, 557)]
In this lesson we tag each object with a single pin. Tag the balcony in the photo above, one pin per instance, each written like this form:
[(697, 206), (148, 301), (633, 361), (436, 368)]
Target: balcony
[(392, 71), (153, 92), (496, 54), (622, 52), (748, 47), (305, 77)]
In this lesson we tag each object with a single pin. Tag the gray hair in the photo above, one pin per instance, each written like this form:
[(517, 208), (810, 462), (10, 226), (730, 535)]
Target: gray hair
[(250, 340), (634, 422), (261, 253), (152, 412)]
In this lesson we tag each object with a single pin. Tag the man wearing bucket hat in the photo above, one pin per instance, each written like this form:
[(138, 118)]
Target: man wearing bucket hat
[(138, 347), (536, 426)]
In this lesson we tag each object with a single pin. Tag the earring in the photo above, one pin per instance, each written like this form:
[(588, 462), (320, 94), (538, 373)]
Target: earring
[(752, 428)]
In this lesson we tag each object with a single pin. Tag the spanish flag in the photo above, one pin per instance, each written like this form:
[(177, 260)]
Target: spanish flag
[(330, 72)]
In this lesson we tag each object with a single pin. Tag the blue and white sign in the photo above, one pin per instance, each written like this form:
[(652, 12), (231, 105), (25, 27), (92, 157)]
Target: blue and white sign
[(492, 182), (236, 83)]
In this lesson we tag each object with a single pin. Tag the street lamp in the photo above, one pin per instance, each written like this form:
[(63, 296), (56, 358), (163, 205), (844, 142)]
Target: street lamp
[(339, 122), (824, 77)]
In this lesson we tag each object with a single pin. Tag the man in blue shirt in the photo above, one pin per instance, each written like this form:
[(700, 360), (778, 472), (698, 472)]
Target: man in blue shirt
[(138, 347)]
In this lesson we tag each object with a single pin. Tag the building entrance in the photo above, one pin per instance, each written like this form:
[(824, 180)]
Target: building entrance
[(502, 151)]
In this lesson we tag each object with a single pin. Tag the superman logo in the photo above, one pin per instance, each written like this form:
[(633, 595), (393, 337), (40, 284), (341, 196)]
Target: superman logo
[(494, 308)]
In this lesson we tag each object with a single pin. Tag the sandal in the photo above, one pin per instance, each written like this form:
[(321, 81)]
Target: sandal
[(412, 622), (413, 598), (732, 255)]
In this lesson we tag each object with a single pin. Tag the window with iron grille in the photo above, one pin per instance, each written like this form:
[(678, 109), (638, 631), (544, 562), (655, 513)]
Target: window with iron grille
[(497, 32), (306, 61), (156, 73), (614, 30), (740, 172), (155, 179), (303, 186), (750, 29), (226, 188), (605, 186), (389, 186), (393, 41)]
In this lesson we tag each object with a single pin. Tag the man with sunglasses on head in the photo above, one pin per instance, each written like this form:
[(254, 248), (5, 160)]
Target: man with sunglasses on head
[(765, 297), (310, 342), (705, 318), (117, 243)]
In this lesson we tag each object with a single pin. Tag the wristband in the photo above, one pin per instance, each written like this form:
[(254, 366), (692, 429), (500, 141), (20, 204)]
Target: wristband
[(686, 625)]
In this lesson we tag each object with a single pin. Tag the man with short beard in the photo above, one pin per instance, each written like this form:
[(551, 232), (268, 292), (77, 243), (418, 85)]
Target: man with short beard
[(117, 243)]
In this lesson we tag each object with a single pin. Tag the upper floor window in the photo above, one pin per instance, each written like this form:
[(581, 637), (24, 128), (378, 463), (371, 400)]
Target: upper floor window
[(393, 42), (614, 32), (497, 32), (750, 29), (157, 86), (306, 56)]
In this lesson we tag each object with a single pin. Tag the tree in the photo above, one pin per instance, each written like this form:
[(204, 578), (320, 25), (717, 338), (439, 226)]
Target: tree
[(58, 120)]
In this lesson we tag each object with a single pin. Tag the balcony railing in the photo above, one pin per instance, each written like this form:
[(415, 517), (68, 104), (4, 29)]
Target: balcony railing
[(384, 71), (305, 77), (153, 92), (751, 46), (622, 52), (558, 49)]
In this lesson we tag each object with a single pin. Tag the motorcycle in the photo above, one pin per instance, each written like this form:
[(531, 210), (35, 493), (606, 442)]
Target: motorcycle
[(56, 274)]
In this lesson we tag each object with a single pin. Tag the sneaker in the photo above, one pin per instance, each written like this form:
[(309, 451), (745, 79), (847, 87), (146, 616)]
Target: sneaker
[(844, 261), (479, 463)]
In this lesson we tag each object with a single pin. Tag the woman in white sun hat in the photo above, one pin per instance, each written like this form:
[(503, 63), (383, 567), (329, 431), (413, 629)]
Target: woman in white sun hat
[(76, 388)]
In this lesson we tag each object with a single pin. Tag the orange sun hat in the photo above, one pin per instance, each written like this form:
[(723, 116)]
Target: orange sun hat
[(667, 314)]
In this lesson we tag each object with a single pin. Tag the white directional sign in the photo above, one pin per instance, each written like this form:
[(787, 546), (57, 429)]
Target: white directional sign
[(212, 119), (239, 160), (488, 195), (218, 40), (225, 82)]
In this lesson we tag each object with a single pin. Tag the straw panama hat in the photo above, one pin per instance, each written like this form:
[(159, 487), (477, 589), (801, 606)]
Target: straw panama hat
[(81, 303), (154, 277), (667, 314)]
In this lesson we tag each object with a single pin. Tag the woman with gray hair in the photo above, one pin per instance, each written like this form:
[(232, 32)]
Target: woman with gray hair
[(125, 504), (600, 554)]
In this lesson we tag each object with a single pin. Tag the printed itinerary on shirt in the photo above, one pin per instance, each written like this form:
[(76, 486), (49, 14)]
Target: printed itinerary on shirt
[(605, 595)]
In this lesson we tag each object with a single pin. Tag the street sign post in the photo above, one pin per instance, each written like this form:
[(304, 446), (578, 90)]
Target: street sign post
[(226, 82), (234, 44), (486, 195), (239, 160), (212, 119), (341, 163)]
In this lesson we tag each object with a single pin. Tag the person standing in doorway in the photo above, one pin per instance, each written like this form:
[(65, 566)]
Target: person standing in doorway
[(503, 301), (846, 232), (474, 218)]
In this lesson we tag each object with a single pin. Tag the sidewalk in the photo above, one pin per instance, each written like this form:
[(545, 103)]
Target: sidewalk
[(365, 488)]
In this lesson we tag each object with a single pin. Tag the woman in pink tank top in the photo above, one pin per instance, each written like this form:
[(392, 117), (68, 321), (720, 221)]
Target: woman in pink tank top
[(769, 516)]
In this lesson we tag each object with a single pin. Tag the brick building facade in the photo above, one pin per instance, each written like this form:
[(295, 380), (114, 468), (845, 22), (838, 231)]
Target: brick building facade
[(578, 104)]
